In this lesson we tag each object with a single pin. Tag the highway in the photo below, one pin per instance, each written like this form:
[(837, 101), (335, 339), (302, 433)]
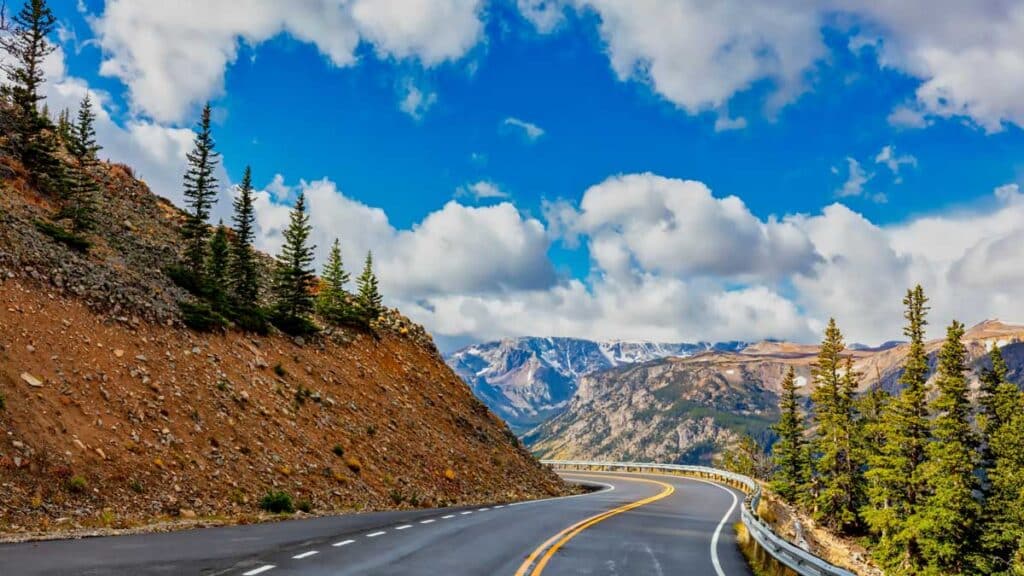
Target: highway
[(635, 525)]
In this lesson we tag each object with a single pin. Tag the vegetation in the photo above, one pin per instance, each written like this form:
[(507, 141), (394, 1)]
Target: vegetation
[(277, 502), (368, 300), (200, 194), (937, 488), (200, 317), (77, 485), (294, 278), (244, 274), (69, 239)]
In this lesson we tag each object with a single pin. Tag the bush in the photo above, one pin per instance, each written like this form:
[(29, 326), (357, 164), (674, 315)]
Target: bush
[(186, 278), (70, 239), (136, 486), (293, 326), (3, 403), (77, 485), (279, 370), (354, 464), (250, 319), (277, 502), (201, 318), (305, 506), (338, 450)]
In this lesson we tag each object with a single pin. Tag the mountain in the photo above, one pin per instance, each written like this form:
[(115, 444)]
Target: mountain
[(527, 380), (687, 409), (116, 415)]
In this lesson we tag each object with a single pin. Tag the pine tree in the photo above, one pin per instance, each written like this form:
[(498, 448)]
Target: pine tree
[(217, 268), (294, 279), (81, 191), (949, 514), (788, 451), (27, 45), (65, 127), (896, 477), (200, 194), (368, 300), (332, 301), (244, 274), (839, 473)]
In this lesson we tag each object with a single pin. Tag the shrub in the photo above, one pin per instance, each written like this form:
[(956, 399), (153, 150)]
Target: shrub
[(294, 326), (201, 318), (187, 279), (279, 370), (302, 394), (70, 239), (250, 319), (449, 474), (136, 486), (3, 403), (305, 506), (277, 502), (77, 484), (353, 464), (338, 450)]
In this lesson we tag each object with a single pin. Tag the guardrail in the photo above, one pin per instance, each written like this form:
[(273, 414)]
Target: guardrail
[(800, 561)]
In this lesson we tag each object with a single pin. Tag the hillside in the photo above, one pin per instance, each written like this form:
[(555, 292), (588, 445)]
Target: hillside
[(687, 409), (528, 380), (116, 415)]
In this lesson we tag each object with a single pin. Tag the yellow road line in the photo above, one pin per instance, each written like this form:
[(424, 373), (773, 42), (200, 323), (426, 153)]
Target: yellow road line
[(553, 544)]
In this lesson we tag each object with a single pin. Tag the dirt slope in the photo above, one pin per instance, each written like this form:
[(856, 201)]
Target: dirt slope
[(115, 415)]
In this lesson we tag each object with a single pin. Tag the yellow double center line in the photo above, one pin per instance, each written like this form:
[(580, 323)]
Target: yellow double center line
[(540, 557)]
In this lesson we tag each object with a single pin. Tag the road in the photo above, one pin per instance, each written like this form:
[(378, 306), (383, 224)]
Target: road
[(636, 525)]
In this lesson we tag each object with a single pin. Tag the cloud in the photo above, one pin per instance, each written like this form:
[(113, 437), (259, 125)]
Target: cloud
[(415, 103), (856, 178), (893, 162), (546, 15), (529, 130), (172, 55), (908, 117), (482, 190)]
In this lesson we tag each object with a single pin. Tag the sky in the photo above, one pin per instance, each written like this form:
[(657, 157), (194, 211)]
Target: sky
[(673, 170)]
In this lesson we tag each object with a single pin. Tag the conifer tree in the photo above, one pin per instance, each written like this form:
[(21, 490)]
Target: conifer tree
[(294, 279), (65, 127), (837, 501), (896, 478), (949, 514), (83, 133), (788, 452), (332, 301), (200, 193), (368, 300), (217, 268), (27, 46), (244, 274), (81, 190)]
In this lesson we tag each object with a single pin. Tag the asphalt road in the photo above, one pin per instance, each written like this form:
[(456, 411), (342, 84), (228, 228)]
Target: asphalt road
[(637, 525)]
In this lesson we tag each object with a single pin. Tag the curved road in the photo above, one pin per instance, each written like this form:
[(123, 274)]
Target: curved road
[(636, 525)]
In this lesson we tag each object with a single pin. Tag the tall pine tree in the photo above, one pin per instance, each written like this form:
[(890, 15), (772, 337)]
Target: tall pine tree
[(82, 191), (368, 300), (788, 452), (27, 46), (897, 481), (200, 193), (949, 512), (294, 279), (244, 274), (332, 302), (839, 473)]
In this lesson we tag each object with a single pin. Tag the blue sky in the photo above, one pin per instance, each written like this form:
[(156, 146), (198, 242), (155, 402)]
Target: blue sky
[(815, 112)]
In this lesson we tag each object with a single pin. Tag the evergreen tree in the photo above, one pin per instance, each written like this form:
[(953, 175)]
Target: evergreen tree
[(998, 399), (746, 457), (27, 46), (82, 190), (788, 452), (200, 194), (949, 515), (65, 127), (839, 472), (217, 268), (896, 477), (368, 300), (332, 301), (244, 274), (871, 408), (294, 279)]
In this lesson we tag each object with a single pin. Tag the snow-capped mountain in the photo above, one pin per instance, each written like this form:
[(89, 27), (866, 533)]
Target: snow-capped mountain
[(527, 380)]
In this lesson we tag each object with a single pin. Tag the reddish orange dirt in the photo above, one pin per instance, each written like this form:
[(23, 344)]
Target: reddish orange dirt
[(112, 424)]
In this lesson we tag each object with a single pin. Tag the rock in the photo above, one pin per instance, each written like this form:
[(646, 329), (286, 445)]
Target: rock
[(18, 445), (30, 348), (78, 443), (99, 451), (31, 380), (186, 513), (119, 353), (140, 358)]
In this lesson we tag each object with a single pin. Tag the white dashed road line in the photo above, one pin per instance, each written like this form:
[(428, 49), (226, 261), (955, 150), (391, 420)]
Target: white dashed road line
[(448, 516), (259, 570), (375, 534), (304, 555), (483, 510), (467, 512), (342, 543), (404, 526), (431, 521)]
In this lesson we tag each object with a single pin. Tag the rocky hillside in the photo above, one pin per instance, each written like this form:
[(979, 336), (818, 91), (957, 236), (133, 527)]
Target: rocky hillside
[(528, 380), (115, 415), (686, 409)]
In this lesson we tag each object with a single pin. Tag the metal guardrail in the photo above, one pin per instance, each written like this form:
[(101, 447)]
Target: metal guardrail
[(800, 561)]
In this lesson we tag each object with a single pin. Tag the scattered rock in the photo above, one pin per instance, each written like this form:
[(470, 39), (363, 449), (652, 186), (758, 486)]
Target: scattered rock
[(31, 380)]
